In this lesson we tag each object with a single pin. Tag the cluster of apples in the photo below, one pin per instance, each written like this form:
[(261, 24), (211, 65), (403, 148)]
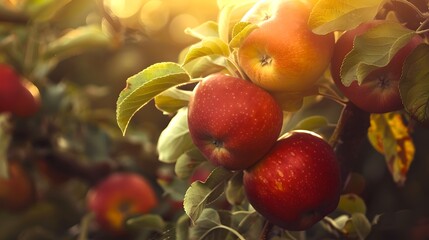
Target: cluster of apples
[(293, 181), (17, 96)]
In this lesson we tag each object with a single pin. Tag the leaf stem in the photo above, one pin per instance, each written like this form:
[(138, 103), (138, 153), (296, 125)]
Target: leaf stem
[(237, 234)]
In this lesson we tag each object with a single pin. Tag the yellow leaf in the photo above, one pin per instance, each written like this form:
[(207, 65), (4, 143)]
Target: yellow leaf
[(390, 136)]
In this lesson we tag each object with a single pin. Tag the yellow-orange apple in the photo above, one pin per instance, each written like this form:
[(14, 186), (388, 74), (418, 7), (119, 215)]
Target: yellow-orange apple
[(297, 183), (283, 54), (379, 91), (232, 121), (119, 197)]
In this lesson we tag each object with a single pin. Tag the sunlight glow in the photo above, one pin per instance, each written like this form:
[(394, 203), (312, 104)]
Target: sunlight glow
[(124, 8)]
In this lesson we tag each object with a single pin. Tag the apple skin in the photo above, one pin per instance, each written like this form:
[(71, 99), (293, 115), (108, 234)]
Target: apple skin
[(19, 97), (17, 192), (379, 91), (119, 197), (10, 87), (232, 121), (297, 183), (283, 54)]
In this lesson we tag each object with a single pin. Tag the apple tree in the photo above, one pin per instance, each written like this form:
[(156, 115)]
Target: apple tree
[(279, 119)]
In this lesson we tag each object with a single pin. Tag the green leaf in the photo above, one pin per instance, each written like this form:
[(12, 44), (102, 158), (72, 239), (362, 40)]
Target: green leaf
[(312, 123), (76, 41), (144, 86), (175, 139), (205, 30), (240, 31), (44, 10), (333, 15), (231, 11), (206, 47), (205, 225), (147, 221), (200, 194), (374, 49), (171, 100), (5, 138), (204, 66), (182, 228), (414, 84), (360, 225), (351, 203), (234, 189), (187, 163)]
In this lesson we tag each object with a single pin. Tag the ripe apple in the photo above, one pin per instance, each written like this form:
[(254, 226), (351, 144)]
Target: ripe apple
[(28, 100), (283, 54), (119, 197), (17, 191), (10, 87), (232, 121), (297, 183), (19, 97), (381, 87)]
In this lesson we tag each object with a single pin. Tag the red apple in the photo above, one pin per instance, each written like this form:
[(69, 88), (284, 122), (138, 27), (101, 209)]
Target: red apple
[(283, 54), (297, 183), (119, 197), (379, 91), (19, 97), (232, 121), (10, 87), (17, 191)]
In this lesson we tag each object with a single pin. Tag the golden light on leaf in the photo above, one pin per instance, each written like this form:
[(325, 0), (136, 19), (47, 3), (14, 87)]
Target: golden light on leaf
[(390, 136), (124, 8), (154, 15)]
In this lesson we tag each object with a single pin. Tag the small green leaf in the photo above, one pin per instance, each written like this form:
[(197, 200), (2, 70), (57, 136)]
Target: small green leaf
[(144, 86), (175, 139), (182, 228), (187, 163), (234, 189), (200, 194), (205, 30), (240, 31), (5, 138), (147, 221), (333, 15), (206, 47), (312, 123), (171, 100), (414, 84), (374, 49), (204, 66), (231, 11), (361, 225), (208, 220), (351, 203), (76, 41)]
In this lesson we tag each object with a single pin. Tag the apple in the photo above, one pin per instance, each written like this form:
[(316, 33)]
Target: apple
[(297, 183), (283, 54), (406, 14), (10, 87), (381, 87), (118, 197), (17, 191), (19, 97), (232, 121)]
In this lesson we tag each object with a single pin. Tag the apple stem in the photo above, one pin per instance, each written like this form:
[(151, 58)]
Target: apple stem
[(348, 136), (12, 17), (327, 92), (419, 29)]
